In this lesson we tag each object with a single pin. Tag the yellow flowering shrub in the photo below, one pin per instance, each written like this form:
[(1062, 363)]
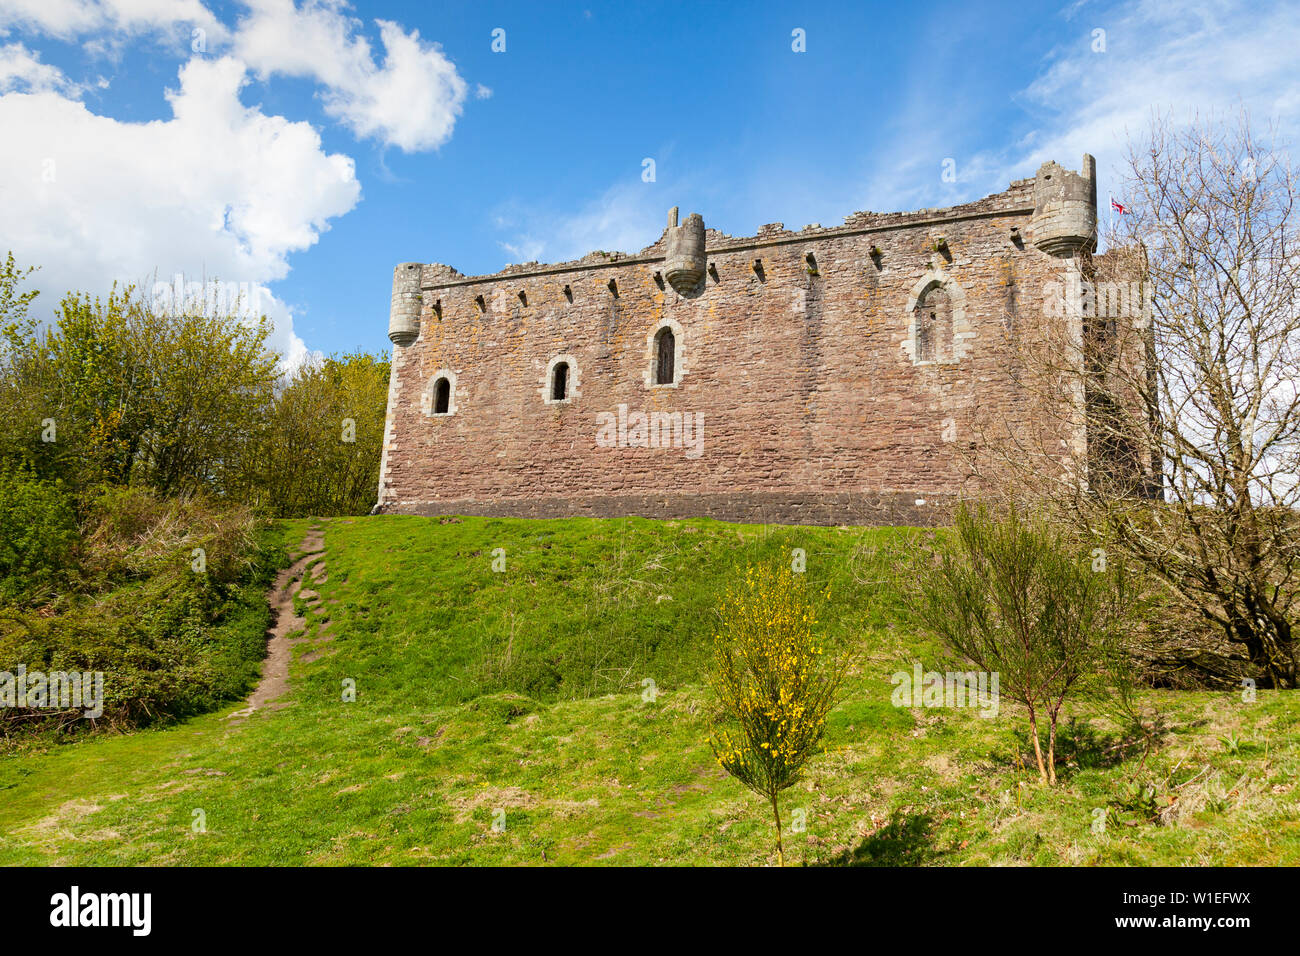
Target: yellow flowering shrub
[(774, 682)]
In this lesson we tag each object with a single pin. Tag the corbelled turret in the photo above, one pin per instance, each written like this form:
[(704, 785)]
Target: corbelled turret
[(684, 262), (404, 313), (1065, 209)]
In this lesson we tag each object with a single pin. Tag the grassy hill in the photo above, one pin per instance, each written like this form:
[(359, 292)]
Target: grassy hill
[(519, 698)]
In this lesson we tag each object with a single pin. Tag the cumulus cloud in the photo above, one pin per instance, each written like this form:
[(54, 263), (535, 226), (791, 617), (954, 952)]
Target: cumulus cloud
[(218, 191), (21, 69), (410, 100), (70, 19)]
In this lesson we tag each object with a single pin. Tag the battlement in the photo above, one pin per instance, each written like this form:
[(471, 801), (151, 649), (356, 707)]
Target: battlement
[(1017, 200)]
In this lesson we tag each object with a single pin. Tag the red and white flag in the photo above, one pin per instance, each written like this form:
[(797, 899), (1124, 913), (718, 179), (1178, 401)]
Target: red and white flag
[(1115, 204)]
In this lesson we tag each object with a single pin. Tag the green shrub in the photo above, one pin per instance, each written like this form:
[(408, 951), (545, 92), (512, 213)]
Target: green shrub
[(38, 538), (170, 640), (1014, 597), (133, 533)]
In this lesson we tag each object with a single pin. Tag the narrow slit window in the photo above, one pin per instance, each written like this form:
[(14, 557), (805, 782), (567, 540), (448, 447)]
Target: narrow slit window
[(560, 382), (442, 396), (665, 356), (925, 336)]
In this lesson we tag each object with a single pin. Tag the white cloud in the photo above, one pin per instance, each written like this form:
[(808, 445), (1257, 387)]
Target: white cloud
[(410, 97), (1173, 58), (21, 69), (1179, 59), (411, 100), (625, 218), (69, 19), (220, 190), (524, 249)]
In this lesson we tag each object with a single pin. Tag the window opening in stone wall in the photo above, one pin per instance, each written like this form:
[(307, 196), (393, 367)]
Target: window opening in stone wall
[(442, 396), (560, 382), (934, 326), (665, 347)]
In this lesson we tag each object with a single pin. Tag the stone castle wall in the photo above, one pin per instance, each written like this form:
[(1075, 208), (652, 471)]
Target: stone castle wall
[(798, 375)]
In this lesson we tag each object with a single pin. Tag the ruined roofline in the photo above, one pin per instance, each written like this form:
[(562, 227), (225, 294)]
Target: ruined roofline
[(1018, 201), (1059, 204)]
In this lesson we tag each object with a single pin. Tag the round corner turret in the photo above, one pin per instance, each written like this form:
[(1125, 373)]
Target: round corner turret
[(1064, 223), (404, 313), (684, 261)]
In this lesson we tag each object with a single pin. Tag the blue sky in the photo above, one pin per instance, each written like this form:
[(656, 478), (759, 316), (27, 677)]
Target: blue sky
[(306, 148)]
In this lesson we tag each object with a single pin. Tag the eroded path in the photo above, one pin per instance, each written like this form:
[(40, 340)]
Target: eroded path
[(288, 628)]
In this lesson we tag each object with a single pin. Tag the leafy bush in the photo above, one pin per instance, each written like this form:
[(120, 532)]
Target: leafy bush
[(134, 395), (1011, 596), (173, 636), (38, 537), (133, 533), (185, 401), (134, 442), (318, 451)]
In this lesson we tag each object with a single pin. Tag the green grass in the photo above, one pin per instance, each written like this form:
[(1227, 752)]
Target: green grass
[(517, 697)]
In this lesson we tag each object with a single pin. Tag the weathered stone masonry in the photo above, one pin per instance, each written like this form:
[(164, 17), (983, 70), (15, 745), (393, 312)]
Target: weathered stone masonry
[(831, 372)]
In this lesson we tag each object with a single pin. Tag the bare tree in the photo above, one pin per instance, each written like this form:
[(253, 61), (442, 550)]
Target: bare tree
[(1186, 357)]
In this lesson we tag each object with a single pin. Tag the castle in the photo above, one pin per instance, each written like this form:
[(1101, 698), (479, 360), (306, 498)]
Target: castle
[(819, 376)]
